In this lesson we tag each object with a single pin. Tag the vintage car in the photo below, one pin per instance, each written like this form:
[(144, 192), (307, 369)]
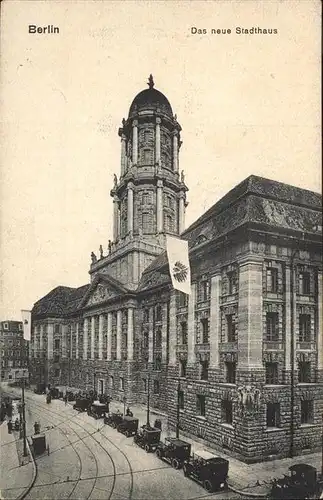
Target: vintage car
[(207, 469), (55, 393), (128, 426), (113, 419), (97, 410), (300, 483), (40, 389), (81, 404), (174, 451), (147, 438)]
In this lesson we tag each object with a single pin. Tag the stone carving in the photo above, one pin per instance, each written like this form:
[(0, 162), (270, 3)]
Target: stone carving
[(182, 176), (123, 122), (110, 246), (93, 257), (101, 251), (115, 180), (248, 399), (100, 294)]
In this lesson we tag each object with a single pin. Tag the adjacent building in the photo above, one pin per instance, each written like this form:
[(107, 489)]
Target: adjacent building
[(243, 353), (14, 351)]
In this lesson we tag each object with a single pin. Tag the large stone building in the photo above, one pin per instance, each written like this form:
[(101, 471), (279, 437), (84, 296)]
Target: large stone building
[(13, 350), (243, 353)]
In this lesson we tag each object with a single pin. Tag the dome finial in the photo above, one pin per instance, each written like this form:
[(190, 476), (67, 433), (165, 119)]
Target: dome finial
[(151, 81)]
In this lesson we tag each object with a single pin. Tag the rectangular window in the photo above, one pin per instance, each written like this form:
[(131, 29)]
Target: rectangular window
[(146, 315), (158, 312), (272, 416), (56, 372), (181, 399), (307, 411), (183, 299), (111, 381), (56, 344), (144, 384), (304, 372), (272, 326), (272, 373), (231, 328), (157, 364), (272, 279), (20, 326), (5, 326), (156, 386), (205, 330), (232, 282), (200, 405), (226, 407), (304, 327), (57, 328), (203, 291), (145, 340), (184, 332), (182, 368), (121, 383), (304, 283), (230, 372), (158, 337), (204, 370), (56, 358)]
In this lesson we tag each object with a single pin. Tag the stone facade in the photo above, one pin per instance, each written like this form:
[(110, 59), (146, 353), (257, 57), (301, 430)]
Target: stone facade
[(244, 349), (13, 351)]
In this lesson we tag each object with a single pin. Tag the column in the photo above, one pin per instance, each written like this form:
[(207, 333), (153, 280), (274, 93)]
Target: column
[(119, 326), (130, 207), (85, 337), (64, 341), (164, 333), (109, 334), (320, 322), (135, 142), (71, 340), (41, 338), (287, 318), (157, 141), (175, 152), (50, 341), (101, 320), (123, 154), (250, 327), (215, 320), (92, 336), (191, 326), (77, 341), (172, 329), (151, 336), (181, 212), (115, 218), (159, 206), (130, 334)]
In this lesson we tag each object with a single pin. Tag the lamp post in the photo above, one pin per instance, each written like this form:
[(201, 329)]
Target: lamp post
[(148, 397), (178, 407), (23, 417)]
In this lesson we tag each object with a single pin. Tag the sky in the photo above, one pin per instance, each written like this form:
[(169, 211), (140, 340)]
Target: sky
[(247, 104)]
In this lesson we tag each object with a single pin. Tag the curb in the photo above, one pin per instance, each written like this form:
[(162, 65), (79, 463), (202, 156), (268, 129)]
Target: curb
[(33, 479), (246, 494)]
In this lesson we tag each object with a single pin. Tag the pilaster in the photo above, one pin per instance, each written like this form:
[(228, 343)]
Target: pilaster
[(85, 337), (123, 154), (250, 327), (159, 206), (109, 334), (135, 142), (41, 338), (64, 341), (130, 334), (151, 336), (191, 325), (50, 341), (181, 214), (119, 326), (130, 207), (115, 218), (175, 152), (215, 320), (320, 321), (157, 142), (92, 336), (164, 333), (172, 329), (101, 320)]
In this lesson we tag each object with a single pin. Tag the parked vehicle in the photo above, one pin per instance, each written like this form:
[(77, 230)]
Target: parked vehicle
[(300, 483), (128, 426), (113, 419), (40, 389), (97, 410), (174, 451), (54, 393), (208, 470), (81, 404), (147, 438)]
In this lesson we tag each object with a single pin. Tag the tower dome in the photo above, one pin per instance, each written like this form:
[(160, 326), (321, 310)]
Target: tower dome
[(150, 99)]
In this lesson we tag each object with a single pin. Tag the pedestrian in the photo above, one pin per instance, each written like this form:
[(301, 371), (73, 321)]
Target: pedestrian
[(9, 425), (37, 427), (65, 398)]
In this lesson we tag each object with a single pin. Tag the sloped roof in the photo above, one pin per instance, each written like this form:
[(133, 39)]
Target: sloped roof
[(255, 200), (59, 301)]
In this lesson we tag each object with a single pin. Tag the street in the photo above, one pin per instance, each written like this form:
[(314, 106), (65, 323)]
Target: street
[(89, 460)]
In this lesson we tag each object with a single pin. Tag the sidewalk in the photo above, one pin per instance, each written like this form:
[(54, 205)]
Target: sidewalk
[(248, 479), (15, 478)]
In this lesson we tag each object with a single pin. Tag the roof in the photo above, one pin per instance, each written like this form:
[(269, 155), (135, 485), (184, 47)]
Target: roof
[(256, 201), (177, 442), (59, 301), (150, 99), (206, 455)]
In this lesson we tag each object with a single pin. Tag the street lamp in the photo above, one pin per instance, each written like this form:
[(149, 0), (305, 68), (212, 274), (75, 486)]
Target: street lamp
[(23, 417), (178, 407), (148, 398)]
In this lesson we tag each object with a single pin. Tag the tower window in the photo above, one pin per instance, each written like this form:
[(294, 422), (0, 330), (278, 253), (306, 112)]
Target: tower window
[(168, 223), (304, 327), (146, 156), (272, 326), (145, 223)]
